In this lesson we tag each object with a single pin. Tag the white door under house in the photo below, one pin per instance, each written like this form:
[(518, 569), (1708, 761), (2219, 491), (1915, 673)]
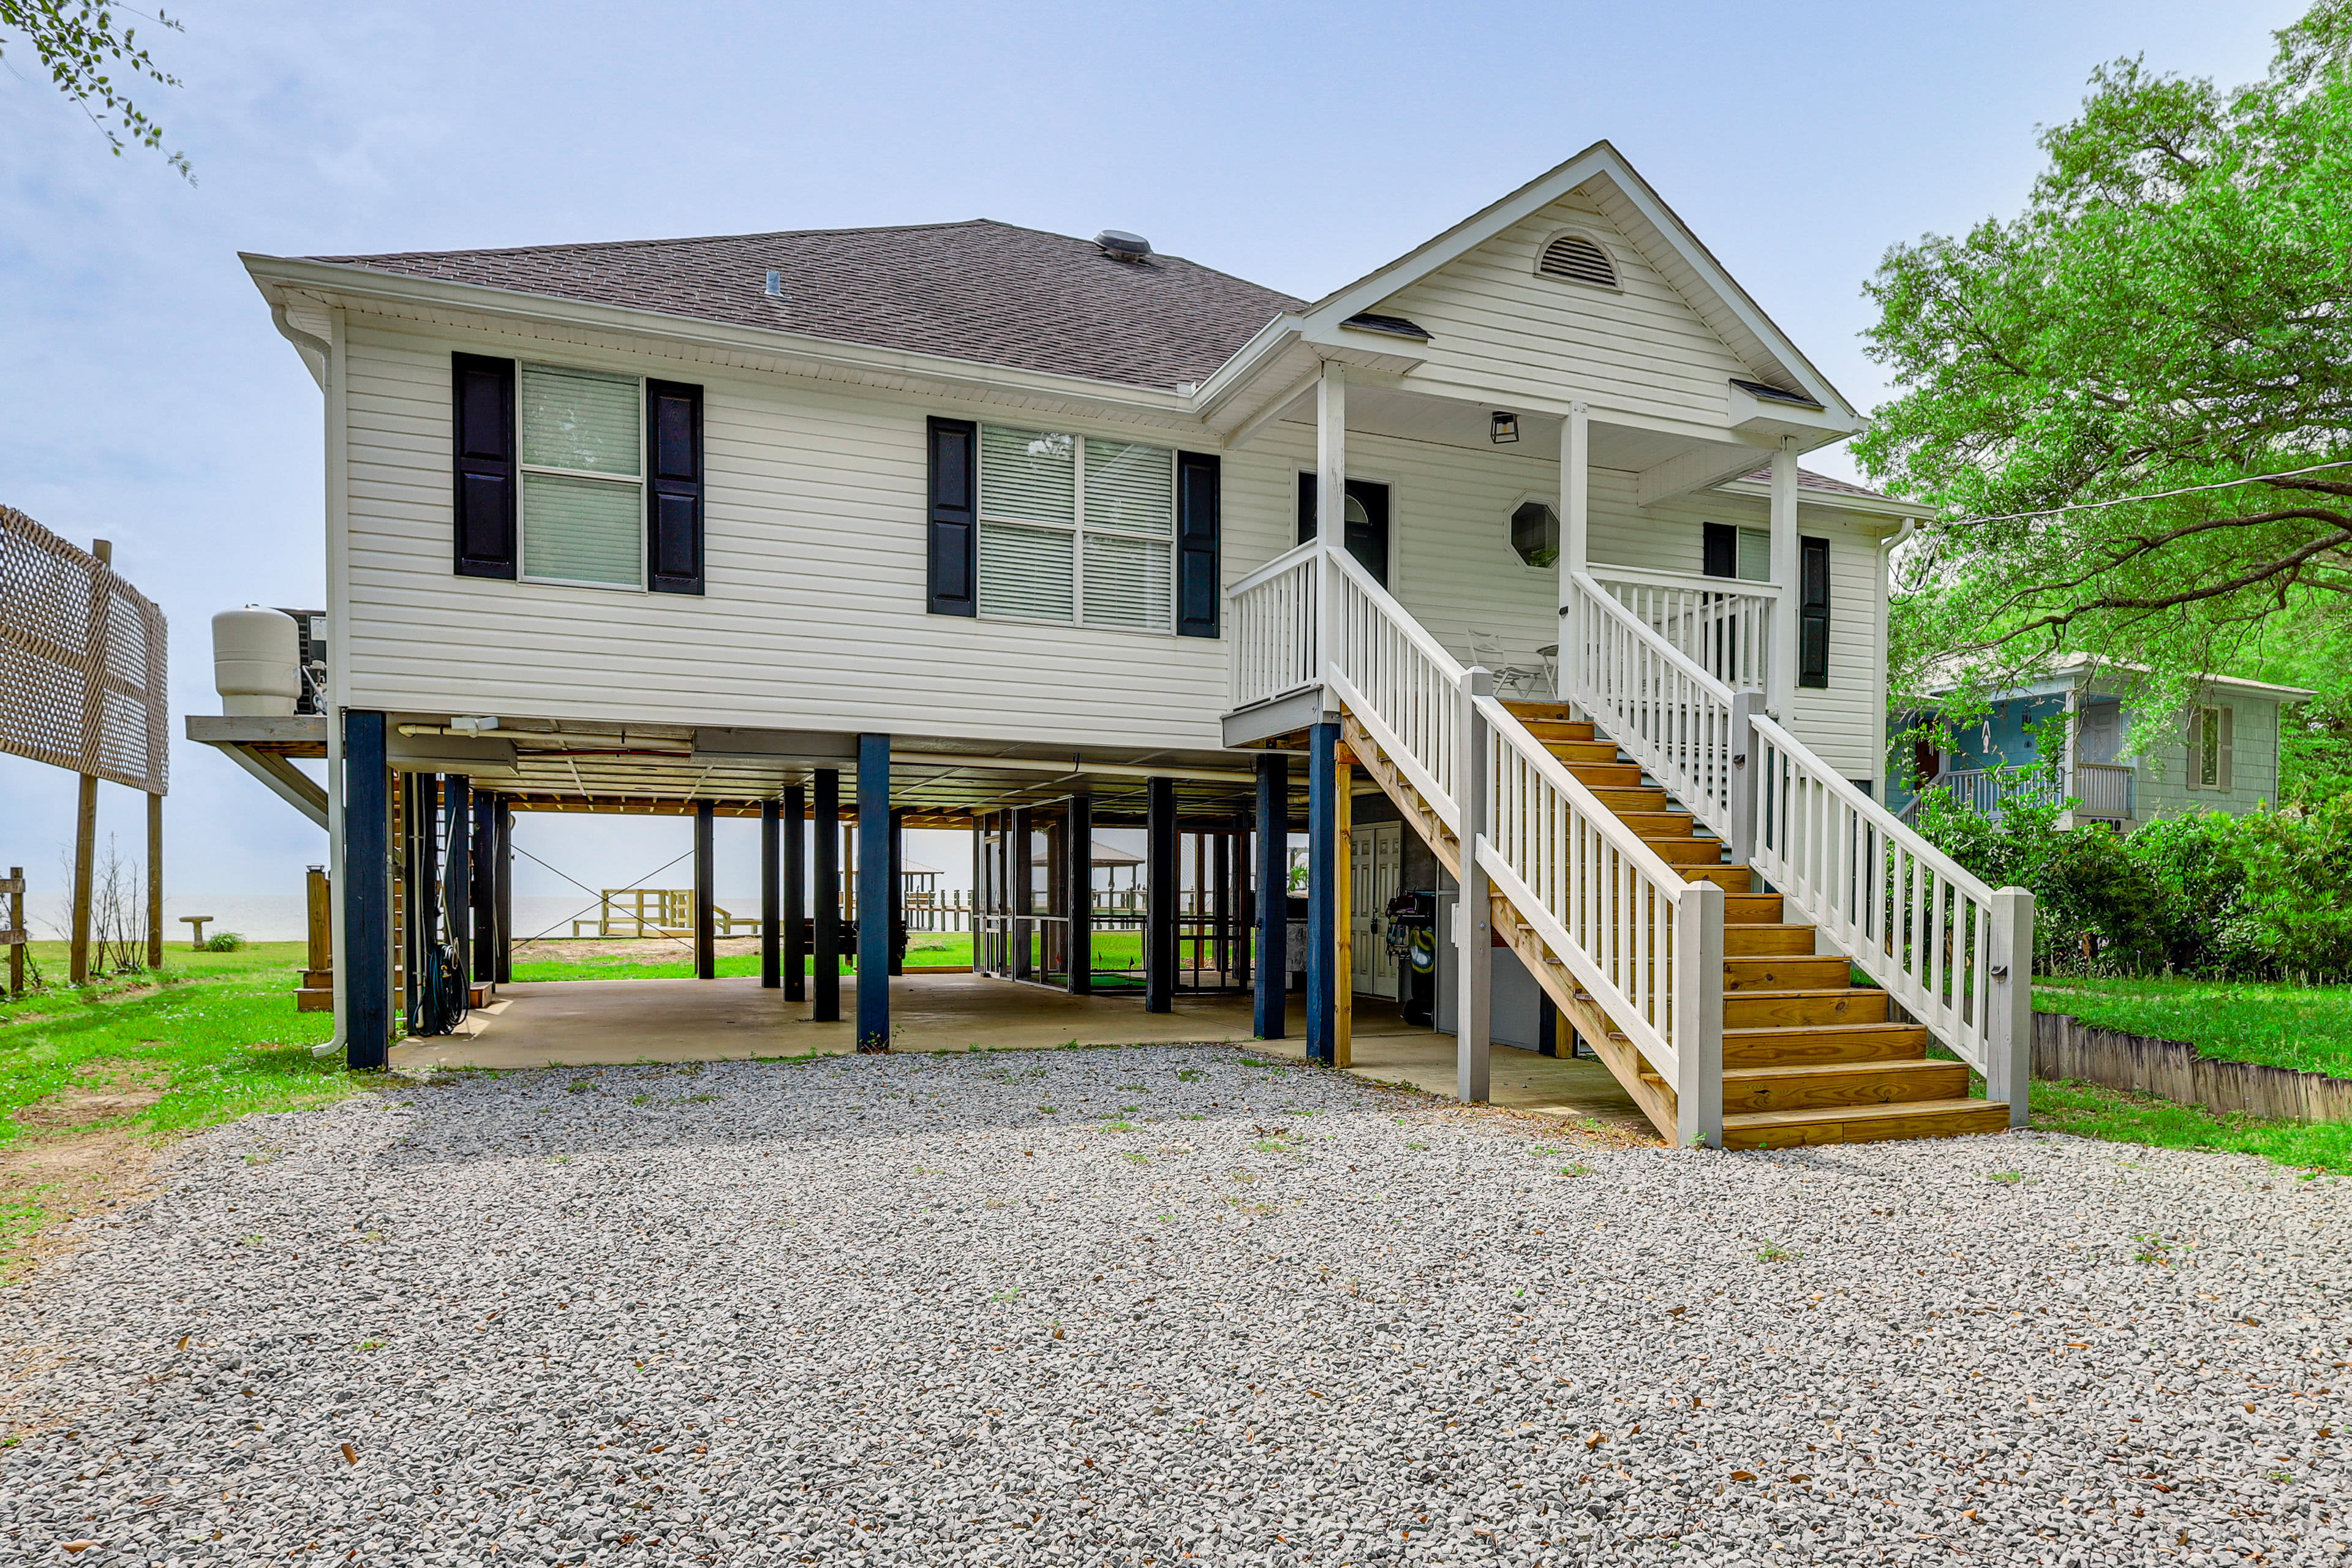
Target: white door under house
[(1375, 872)]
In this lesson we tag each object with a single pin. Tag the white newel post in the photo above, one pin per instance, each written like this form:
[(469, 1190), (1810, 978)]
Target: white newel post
[(1575, 533), (1698, 1016), (1784, 576), (1474, 998), (2009, 1024), (1746, 768), (1330, 507)]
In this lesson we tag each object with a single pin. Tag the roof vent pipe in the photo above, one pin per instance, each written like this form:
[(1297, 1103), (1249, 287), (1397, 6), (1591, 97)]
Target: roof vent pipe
[(1121, 246)]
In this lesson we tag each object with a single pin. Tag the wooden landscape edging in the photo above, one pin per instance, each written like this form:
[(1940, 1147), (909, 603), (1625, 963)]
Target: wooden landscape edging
[(2066, 1047)]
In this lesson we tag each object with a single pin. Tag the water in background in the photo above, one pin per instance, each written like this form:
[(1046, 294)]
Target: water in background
[(278, 917)]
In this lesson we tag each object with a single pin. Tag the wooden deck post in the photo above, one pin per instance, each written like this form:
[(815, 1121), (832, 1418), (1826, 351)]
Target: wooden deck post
[(457, 878), (1343, 913), (154, 881), (1163, 895), (1239, 898), (771, 914), (2009, 1000), (1322, 848), (796, 876), (874, 900), (1474, 989), (1273, 971), (366, 894), (826, 831), (706, 899), (16, 933), (1078, 865), (1020, 892), (1782, 676), (318, 926), (897, 892), (502, 890), (85, 856), (1697, 1001)]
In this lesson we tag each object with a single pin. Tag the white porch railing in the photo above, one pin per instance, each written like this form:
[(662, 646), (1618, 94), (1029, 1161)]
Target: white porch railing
[(1958, 954), (1720, 624), (1271, 616), (2103, 789), (1659, 705), (1647, 945)]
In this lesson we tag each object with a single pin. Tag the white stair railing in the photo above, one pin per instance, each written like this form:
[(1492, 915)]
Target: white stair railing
[(1271, 616), (1647, 945), (1956, 953), (1643, 944), (1722, 624), (1401, 686), (1660, 706)]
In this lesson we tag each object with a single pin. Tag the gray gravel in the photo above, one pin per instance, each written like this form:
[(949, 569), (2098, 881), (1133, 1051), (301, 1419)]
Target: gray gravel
[(894, 1309)]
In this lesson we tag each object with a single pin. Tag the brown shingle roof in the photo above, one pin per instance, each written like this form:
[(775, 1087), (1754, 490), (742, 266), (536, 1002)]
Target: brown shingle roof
[(978, 290), (1808, 480)]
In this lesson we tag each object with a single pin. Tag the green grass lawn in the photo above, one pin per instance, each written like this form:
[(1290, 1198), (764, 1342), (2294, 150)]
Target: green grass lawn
[(2308, 1027), (220, 1038), (2089, 1110)]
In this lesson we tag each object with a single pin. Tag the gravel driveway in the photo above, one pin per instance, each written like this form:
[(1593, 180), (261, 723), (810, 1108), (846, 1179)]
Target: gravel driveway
[(1146, 1304)]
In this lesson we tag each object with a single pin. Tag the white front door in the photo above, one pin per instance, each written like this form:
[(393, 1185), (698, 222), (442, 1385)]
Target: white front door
[(1375, 874)]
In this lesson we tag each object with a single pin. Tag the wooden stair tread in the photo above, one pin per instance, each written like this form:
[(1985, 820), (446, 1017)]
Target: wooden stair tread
[(1795, 1072), (1863, 1123), (1758, 1030)]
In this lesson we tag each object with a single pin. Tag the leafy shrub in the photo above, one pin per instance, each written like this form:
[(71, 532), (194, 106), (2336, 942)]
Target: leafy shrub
[(2298, 885), (225, 942), (2255, 897)]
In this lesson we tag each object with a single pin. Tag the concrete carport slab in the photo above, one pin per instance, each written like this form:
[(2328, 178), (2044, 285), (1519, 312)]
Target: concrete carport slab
[(602, 1023)]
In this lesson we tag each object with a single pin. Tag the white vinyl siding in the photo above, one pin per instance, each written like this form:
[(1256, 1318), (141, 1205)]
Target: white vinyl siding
[(1073, 530), (583, 503)]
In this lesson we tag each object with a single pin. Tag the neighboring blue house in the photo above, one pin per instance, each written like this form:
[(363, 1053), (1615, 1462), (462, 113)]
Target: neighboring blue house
[(2222, 755)]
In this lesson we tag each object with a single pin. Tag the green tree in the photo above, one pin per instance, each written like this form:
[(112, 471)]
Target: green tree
[(2173, 309), (82, 42)]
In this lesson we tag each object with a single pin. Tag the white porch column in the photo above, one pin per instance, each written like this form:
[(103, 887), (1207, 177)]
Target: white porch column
[(1331, 503), (1783, 688), (1575, 533)]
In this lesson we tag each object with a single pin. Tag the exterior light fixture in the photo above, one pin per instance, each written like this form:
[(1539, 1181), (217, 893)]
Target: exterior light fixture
[(1505, 428)]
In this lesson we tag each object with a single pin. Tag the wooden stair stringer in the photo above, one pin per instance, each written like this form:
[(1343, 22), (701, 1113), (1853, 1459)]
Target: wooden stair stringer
[(1423, 817), (1625, 1063)]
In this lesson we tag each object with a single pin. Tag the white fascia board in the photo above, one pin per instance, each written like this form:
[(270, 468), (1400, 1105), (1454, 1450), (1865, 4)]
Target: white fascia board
[(1604, 160), (1836, 501), (828, 359)]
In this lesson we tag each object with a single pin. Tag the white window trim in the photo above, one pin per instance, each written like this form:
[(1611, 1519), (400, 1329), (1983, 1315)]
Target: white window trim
[(1080, 527), (522, 491), (1616, 265)]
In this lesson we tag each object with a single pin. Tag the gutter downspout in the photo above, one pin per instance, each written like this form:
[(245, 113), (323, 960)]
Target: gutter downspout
[(317, 352)]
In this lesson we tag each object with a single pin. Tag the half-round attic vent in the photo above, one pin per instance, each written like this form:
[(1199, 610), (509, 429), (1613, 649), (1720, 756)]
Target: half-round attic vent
[(1578, 260)]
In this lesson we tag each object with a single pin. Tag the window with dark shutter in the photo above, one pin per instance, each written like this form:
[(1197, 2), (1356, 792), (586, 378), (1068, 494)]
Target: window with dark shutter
[(1200, 582), (1813, 612), (673, 505), (482, 396), (951, 546)]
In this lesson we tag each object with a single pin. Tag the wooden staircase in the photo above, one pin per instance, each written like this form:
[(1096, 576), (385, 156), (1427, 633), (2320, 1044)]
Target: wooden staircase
[(1808, 1056)]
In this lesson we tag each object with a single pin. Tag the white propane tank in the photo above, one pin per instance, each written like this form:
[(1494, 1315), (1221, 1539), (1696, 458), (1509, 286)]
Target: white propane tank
[(257, 661)]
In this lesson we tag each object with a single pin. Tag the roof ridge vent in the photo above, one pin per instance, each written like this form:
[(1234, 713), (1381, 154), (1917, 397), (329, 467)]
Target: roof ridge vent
[(1121, 246)]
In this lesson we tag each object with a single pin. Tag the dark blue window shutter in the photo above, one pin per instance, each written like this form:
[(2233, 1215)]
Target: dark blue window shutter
[(1813, 612), (953, 532), (1200, 576), (482, 424), (674, 498)]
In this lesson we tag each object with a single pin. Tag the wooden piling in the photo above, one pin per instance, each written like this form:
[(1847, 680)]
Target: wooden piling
[(16, 935)]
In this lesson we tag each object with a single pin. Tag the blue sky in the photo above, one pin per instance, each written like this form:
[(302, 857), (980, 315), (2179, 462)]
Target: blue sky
[(147, 400)]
